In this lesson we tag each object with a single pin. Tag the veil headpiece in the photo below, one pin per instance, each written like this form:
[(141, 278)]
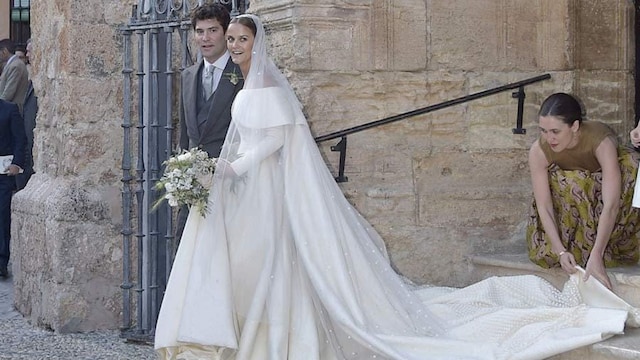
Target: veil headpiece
[(263, 72)]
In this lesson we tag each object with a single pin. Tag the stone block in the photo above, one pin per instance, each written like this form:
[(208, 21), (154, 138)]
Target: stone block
[(67, 256), (456, 189), (349, 35), (606, 97), (491, 35), (604, 44)]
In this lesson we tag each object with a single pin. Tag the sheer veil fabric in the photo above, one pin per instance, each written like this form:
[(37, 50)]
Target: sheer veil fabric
[(283, 267)]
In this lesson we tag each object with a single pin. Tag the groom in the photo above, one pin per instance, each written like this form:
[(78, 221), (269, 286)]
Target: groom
[(208, 87)]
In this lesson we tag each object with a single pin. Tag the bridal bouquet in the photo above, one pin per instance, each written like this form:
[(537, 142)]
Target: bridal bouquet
[(187, 179)]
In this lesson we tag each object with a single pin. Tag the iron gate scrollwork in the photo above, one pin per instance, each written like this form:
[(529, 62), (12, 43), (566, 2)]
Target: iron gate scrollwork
[(156, 40)]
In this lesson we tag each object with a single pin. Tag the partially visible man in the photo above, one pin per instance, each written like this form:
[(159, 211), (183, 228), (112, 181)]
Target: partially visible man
[(207, 87), (29, 52), (22, 55), (13, 143), (14, 80), (29, 113)]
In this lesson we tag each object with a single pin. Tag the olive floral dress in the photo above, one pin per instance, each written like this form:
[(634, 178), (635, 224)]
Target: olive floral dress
[(575, 180)]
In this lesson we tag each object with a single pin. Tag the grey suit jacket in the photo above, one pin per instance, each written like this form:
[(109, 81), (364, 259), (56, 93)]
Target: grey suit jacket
[(211, 134), (14, 82)]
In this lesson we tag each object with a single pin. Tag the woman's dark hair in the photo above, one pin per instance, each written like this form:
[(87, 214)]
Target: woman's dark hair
[(246, 21), (563, 106), (210, 11)]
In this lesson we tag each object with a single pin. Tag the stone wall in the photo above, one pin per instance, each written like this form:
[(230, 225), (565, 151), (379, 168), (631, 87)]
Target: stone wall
[(455, 182), (439, 187), (66, 244), (5, 26)]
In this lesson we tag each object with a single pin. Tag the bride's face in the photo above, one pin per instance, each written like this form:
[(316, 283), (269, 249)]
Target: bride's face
[(239, 43)]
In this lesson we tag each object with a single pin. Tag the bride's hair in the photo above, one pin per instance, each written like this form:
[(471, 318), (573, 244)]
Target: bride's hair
[(246, 21)]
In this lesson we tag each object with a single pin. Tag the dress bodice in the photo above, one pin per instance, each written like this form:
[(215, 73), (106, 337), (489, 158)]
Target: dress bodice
[(583, 155)]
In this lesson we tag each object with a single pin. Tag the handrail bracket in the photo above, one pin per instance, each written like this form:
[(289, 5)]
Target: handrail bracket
[(342, 148), (520, 95)]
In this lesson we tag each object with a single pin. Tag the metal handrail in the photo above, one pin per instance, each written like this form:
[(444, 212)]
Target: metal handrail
[(520, 95)]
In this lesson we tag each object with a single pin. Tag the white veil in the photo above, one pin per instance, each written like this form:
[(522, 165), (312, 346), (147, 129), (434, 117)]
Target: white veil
[(339, 259), (263, 72)]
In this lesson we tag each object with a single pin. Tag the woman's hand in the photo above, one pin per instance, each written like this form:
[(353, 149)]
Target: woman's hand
[(635, 136), (595, 267), (568, 262)]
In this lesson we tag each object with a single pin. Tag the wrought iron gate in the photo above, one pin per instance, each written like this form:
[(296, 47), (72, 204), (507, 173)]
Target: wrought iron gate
[(156, 40)]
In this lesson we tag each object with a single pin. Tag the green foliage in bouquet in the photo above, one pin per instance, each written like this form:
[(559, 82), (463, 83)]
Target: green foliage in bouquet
[(187, 179)]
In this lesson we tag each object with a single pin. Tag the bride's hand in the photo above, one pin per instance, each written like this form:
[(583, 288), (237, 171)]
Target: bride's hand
[(224, 168), (595, 267), (206, 180)]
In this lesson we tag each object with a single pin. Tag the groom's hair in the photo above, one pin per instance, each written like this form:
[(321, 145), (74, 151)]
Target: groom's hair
[(209, 11)]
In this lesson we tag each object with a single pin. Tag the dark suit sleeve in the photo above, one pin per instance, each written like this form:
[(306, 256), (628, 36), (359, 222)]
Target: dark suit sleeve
[(19, 136), (184, 137)]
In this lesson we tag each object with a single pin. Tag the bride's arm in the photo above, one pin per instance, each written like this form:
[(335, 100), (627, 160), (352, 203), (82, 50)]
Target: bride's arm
[(272, 141)]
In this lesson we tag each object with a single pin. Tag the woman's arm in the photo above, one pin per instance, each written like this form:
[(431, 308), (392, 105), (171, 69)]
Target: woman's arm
[(607, 155), (538, 165), (272, 141)]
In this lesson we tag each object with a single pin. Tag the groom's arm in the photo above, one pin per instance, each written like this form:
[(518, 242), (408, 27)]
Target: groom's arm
[(184, 136)]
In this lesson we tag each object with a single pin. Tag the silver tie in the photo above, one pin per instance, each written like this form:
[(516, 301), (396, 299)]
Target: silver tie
[(207, 81)]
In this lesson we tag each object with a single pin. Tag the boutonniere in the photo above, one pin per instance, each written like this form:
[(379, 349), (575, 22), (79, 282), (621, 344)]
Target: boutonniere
[(233, 77)]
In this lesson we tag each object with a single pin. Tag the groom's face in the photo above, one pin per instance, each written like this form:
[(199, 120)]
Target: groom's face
[(209, 36)]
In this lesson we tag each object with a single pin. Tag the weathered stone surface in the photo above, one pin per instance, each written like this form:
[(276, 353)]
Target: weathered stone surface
[(607, 97), (66, 265), (604, 44), (66, 247), (490, 35)]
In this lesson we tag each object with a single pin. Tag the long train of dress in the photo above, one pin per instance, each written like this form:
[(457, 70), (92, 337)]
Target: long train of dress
[(285, 268)]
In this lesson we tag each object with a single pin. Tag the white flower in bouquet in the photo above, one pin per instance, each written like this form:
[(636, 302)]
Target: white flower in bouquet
[(187, 179)]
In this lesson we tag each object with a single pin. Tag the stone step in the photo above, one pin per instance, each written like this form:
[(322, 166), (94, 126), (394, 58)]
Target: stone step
[(626, 283)]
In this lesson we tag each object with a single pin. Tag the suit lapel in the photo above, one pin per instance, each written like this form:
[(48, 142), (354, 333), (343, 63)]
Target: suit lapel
[(222, 96)]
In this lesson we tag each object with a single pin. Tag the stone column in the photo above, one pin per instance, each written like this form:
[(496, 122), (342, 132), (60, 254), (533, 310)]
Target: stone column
[(66, 245), (605, 61)]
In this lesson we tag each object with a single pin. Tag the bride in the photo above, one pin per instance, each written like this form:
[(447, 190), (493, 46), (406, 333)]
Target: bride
[(283, 267)]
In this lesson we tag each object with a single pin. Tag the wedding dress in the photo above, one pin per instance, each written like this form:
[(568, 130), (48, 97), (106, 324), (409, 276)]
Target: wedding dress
[(283, 267)]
